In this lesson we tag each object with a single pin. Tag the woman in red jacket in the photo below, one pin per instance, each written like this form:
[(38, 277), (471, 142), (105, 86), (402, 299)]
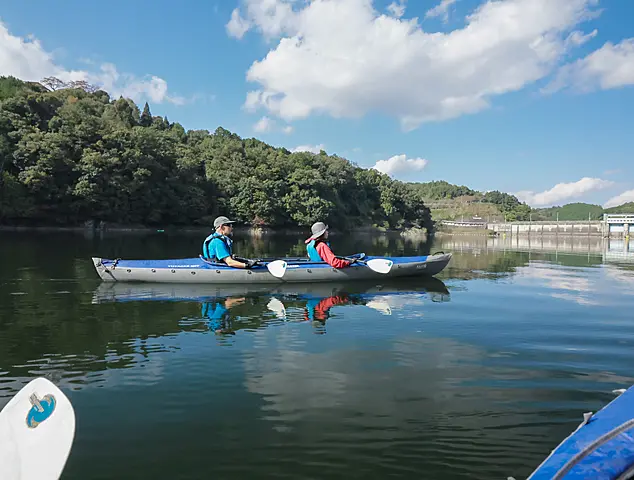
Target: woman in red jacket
[(319, 250)]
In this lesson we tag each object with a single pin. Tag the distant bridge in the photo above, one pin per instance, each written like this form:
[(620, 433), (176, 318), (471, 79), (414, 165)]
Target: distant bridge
[(619, 224)]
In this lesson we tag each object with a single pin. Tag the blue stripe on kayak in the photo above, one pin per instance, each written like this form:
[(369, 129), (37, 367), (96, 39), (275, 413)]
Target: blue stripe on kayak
[(197, 263), (605, 461)]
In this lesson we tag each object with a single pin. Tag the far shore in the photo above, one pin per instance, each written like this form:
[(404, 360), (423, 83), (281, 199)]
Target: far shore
[(239, 229)]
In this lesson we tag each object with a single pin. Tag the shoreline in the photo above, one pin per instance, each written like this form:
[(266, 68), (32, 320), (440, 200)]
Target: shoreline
[(242, 230)]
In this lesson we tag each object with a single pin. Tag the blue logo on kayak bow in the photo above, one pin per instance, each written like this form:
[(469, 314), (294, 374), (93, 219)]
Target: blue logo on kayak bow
[(41, 410)]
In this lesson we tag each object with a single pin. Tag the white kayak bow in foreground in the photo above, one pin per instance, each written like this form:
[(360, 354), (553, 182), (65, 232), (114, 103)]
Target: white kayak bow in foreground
[(37, 429)]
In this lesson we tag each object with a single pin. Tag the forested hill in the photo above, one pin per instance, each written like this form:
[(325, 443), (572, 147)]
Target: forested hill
[(454, 201), (70, 154)]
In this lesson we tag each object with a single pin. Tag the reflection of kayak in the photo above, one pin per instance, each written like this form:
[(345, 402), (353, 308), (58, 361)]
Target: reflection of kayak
[(195, 270), (123, 292), (601, 448)]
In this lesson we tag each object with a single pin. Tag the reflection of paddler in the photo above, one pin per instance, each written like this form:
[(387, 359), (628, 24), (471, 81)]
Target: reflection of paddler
[(218, 313), (319, 310)]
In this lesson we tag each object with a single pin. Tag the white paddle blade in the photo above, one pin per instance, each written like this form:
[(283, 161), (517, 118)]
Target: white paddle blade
[(37, 428), (380, 265), (277, 268), (277, 307)]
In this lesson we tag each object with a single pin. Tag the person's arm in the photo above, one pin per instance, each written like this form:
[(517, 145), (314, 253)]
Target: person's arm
[(223, 255), (329, 257), (233, 262)]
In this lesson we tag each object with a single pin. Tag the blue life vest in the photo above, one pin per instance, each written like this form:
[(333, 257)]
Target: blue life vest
[(312, 251), (226, 240)]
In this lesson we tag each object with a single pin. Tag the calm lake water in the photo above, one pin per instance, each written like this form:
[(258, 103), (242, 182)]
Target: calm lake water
[(475, 374)]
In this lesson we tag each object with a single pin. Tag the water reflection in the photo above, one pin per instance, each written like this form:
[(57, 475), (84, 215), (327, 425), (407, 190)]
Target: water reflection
[(133, 321), (593, 250), (228, 308)]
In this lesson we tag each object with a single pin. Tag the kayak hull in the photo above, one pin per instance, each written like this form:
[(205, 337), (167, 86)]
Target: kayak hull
[(196, 270), (601, 448)]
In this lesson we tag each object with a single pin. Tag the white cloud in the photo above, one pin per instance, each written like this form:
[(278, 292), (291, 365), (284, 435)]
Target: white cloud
[(309, 148), (611, 66), (441, 10), (577, 38), (237, 26), (345, 59), (265, 124), (397, 9), (26, 58), (400, 164), (625, 197), (563, 191), (269, 17)]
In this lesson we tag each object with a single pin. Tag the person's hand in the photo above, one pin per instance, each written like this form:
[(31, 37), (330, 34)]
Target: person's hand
[(353, 260), (250, 263)]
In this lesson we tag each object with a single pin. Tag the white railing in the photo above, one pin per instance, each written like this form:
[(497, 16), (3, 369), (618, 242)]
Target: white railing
[(619, 218)]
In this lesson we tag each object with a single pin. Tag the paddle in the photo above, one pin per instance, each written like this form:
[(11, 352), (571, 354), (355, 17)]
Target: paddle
[(37, 428), (277, 268), (379, 265)]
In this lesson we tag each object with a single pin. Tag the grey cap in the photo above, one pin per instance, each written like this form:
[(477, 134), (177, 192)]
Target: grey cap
[(222, 220)]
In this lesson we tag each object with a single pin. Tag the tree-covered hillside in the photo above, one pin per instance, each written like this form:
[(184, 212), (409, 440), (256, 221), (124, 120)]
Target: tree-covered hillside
[(580, 211), (625, 208), (449, 201), (451, 197), (71, 154), (570, 211)]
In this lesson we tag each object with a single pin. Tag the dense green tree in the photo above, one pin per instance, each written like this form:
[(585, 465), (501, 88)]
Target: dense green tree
[(440, 190), (146, 116)]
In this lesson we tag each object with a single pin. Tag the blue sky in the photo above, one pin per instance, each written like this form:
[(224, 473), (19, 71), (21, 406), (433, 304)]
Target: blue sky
[(532, 97)]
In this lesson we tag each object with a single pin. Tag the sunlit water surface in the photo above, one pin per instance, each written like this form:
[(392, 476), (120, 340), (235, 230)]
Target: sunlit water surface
[(475, 374)]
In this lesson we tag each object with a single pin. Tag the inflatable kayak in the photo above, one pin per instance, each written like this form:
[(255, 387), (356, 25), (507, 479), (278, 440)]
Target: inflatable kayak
[(601, 448), (198, 270)]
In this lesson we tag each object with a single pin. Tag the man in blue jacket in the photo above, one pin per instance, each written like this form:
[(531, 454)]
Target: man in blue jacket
[(218, 246)]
